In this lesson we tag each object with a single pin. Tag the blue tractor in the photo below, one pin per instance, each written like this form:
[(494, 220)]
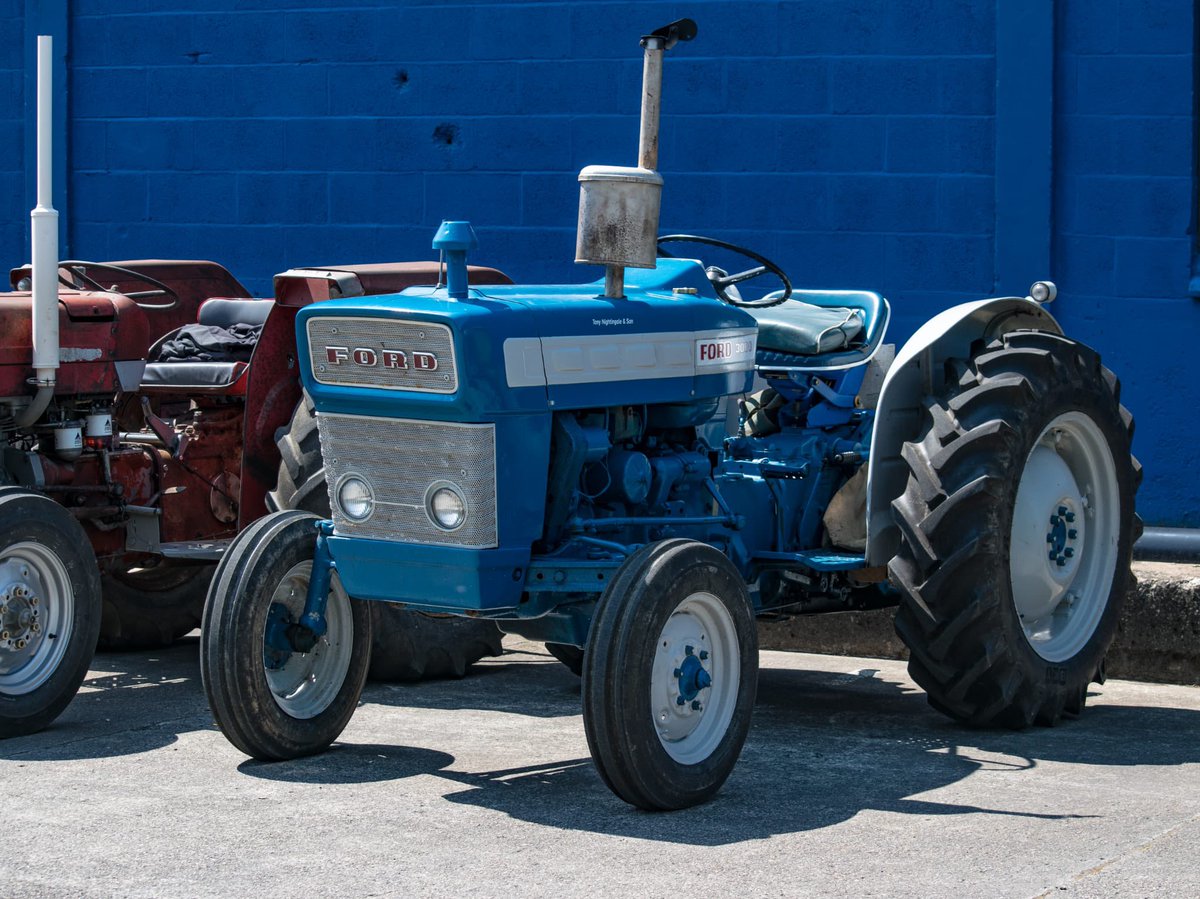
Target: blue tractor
[(632, 470)]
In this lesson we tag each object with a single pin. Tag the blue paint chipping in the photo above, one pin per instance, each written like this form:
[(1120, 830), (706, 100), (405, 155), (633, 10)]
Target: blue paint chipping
[(935, 152)]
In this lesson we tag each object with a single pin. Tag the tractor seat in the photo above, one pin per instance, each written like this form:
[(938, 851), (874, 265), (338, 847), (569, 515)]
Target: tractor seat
[(797, 328), (205, 374)]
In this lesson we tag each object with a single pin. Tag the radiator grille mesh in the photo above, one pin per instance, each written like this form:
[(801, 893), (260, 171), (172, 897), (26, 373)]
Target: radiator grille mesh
[(400, 459)]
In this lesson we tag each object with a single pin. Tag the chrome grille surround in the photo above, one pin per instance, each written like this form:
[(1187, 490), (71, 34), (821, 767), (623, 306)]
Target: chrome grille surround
[(380, 335), (400, 458)]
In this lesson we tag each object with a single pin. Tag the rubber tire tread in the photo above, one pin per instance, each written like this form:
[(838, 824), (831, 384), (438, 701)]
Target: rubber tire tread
[(571, 656), (28, 516), (623, 742), (231, 646), (136, 618), (407, 646), (957, 617)]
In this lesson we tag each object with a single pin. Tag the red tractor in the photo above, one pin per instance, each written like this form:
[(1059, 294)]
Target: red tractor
[(123, 481)]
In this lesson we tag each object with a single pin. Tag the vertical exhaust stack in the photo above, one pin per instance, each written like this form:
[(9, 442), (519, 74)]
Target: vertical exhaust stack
[(619, 205), (44, 222)]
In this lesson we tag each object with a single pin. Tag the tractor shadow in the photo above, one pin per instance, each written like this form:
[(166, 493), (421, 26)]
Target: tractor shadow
[(130, 702), (824, 748)]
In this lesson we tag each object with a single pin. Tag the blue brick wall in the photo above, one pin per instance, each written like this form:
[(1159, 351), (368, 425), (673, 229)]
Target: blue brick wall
[(853, 141), (1124, 210), (14, 216)]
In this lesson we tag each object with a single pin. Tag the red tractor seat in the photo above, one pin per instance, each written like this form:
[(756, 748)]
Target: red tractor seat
[(180, 374)]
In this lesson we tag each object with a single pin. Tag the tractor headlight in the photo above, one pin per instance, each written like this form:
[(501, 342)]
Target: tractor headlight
[(445, 506), (355, 498)]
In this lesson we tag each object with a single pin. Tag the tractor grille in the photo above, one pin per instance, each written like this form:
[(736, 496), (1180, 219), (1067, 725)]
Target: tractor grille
[(382, 352), (400, 459)]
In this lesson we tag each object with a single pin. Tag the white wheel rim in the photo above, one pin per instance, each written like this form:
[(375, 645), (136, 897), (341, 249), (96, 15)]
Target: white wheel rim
[(1065, 530), (308, 682), (690, 719), (37, 614)]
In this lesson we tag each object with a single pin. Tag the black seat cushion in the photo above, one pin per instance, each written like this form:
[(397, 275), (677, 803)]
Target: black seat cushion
[(804, 329), (192, 374)]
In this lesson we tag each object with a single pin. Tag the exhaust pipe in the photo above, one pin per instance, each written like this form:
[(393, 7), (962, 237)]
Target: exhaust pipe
[(44, 223)]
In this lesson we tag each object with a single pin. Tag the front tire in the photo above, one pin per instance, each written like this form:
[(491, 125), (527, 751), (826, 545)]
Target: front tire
[(271, 700), (669, 675), (1017, 529), (49, 610)]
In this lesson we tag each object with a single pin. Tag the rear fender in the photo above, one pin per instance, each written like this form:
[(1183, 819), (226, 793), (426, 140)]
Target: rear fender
[(272, 392), (919, 372)]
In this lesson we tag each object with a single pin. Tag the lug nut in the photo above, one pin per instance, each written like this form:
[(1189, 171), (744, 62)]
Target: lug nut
[(20, 644), (1068, 552), (1070, 516), (703, 654), (1049, 538), (33, 600), (678, 672), (695, 705), (1072, 534), (1061, 562), (1062, 510), (687, 650), (680, 701), (1053, 555)]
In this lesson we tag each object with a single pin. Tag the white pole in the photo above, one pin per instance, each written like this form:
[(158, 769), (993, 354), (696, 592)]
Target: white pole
[(44, 239), (45, 225)]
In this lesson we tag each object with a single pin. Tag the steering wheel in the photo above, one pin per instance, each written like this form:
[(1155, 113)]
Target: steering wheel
[(79, 269), (721, 279)]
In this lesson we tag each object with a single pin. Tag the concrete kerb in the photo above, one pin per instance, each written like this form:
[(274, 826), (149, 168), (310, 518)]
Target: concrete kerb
[(1158, 638)]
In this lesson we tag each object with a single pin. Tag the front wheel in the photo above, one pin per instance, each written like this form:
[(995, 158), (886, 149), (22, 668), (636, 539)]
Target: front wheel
[(670, 674), (49, 610), (1017, 528), (274, 695)]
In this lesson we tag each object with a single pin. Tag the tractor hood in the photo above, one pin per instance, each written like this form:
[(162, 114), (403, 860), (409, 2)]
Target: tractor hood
[(522, 349)]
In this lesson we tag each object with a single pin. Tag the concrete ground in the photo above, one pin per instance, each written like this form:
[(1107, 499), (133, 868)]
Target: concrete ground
[(849, 786)]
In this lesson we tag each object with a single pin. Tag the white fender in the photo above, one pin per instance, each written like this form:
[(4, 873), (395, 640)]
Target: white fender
[(917, 373)]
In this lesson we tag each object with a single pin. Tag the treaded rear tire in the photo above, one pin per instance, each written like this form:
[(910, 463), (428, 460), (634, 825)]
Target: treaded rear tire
[(958, 615), (407, 646), (151, 608), (571, 656)]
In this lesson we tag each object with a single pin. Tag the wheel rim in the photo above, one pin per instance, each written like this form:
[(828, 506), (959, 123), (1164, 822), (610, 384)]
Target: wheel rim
[(304, 684), (1065, 530), (37, 613), (695, 678)]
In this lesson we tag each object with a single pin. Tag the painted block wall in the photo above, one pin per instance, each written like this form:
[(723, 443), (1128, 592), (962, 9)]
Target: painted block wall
[(854, 141)]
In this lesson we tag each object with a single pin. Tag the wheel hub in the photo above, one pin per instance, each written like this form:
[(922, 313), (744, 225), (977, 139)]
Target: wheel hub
[(680, 700), (20, 614), (36, 603), (1064, 533)]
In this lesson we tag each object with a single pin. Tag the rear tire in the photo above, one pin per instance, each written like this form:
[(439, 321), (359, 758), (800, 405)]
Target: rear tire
[(407, 646), (50, 597), (670, 675), (270, 700), (571, 656), (151, 607), (1017, 530)]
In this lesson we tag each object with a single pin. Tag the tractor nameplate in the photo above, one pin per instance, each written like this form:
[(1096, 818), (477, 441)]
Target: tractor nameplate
[(382, 353)]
